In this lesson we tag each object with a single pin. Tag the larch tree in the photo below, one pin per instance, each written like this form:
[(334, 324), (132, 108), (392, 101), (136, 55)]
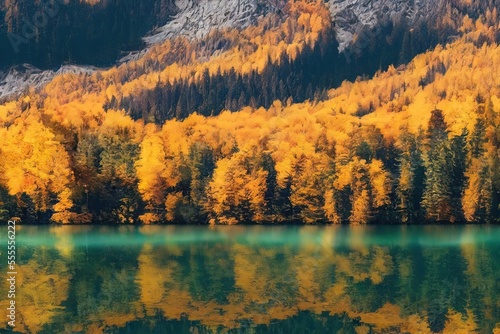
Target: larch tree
[(309, 172), (149, 169), (478, 194), (42, 169), (236, 192)]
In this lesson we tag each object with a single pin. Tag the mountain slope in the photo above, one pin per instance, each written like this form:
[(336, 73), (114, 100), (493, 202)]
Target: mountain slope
[(24, 77), (370, 36)]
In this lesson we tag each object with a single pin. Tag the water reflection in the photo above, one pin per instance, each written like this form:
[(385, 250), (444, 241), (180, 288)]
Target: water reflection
[(156, 279)]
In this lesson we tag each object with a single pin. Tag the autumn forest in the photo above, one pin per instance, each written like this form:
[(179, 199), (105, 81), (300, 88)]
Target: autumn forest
[(270, 124)]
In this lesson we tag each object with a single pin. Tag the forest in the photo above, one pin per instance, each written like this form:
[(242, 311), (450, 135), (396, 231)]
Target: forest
[(48, 33), (248, 127)]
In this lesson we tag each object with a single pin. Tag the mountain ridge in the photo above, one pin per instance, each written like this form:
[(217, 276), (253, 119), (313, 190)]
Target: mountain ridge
[(354, 21)]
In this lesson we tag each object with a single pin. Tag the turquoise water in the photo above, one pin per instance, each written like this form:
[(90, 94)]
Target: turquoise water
[(255, 279)]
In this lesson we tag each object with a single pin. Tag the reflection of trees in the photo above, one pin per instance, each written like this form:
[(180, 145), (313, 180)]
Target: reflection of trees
[(42, 286), (444, 286), (482, 278), (269, 283), (208, 286), (377, 288), (101, 289)]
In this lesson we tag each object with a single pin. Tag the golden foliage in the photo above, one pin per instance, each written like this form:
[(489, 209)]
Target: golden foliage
[(36, 164), (313, 145)]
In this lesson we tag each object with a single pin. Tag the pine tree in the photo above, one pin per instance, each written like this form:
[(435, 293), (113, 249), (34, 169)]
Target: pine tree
[(411, 176), (437, 195)]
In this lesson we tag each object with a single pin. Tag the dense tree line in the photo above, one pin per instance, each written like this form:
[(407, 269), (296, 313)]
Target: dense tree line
[(306, 76), (199, 173), (52, 32)]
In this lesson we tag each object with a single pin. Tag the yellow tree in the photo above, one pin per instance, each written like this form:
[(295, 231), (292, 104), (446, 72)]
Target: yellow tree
[(149, 169), (360, 213), (359, 192), (310, 172), (380, 185), (39, 167), (350, 196), (478, 193), (237, 189)]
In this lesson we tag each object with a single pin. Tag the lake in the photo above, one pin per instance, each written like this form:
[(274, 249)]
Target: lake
[(255, 279)]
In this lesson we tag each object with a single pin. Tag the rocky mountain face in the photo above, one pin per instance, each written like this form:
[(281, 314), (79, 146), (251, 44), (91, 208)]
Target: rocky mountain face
[(21, 77), (352, 16), (195, 18), (51, 33), (40, 39)]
